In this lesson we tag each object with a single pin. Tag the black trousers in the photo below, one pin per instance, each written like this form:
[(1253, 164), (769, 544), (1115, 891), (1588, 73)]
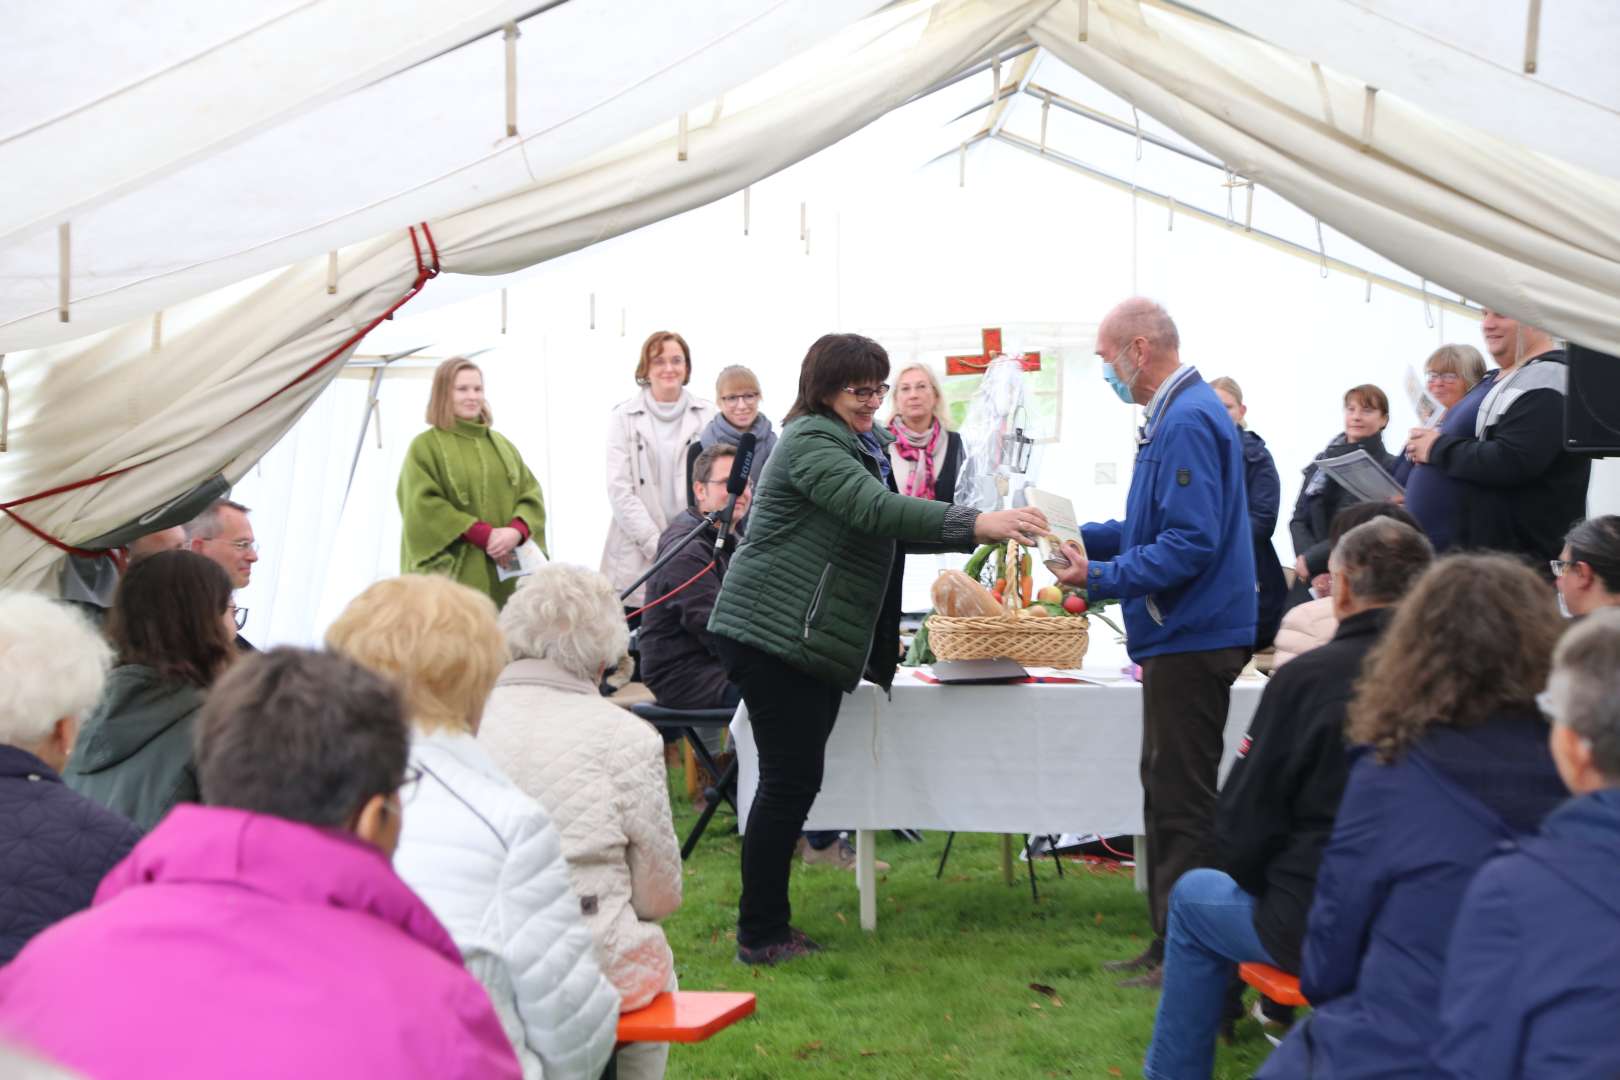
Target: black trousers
[(792, 715), (1184, 703)]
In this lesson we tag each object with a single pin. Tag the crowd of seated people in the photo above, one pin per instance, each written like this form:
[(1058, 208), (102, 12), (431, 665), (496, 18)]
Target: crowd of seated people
[(434, 849)]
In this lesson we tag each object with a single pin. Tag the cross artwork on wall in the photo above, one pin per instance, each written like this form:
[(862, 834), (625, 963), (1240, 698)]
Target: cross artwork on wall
[(1043, 381), (990, 342)]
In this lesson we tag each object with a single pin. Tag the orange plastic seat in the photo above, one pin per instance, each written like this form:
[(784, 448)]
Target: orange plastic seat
[(684, 1016), (1275, 983)]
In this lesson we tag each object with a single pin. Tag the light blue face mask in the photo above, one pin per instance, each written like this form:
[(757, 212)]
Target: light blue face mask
[(1122, 390)]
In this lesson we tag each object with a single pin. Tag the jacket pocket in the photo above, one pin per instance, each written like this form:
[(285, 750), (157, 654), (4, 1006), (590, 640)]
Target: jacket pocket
[(1153, 609), (816, 600)]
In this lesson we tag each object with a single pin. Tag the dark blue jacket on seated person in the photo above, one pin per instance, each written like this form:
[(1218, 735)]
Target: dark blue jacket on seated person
[(1532, 985), (55, 847), (1264, 488), (1183, 559), (1408, 839), (1431, 495)]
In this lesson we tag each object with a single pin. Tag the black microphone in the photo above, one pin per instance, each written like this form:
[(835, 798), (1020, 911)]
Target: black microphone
[(736, 484)]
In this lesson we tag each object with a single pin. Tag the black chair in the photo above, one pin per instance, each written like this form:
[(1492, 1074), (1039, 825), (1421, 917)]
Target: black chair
[(686, 722)]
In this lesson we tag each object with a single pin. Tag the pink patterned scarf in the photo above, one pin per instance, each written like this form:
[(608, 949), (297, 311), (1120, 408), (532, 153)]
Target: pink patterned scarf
[(920, 483)]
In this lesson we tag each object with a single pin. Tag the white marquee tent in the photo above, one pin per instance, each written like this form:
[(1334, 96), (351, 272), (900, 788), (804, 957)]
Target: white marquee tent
[(173, 302)]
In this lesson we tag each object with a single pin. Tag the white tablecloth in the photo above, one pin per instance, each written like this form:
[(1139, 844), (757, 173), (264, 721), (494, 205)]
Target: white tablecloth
[(1013, 759)]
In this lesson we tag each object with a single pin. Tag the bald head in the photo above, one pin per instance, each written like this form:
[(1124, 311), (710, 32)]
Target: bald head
[(1139, 339)]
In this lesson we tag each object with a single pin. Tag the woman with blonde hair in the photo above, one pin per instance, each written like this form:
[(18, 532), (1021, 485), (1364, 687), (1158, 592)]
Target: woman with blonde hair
[(483, 855), (467, 499), (601, 771), (1265, 498), (1456, 379), (649, 438), (737, 390), (926, 454), (1453, 764)]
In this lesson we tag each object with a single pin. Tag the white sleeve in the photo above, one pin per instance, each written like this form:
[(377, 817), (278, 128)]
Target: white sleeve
[(628, 509), (569, 1010)]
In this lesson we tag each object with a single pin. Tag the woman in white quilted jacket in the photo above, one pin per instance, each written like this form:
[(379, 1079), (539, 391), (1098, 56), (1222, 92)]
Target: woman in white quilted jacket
[(599, 772), (482, 854)]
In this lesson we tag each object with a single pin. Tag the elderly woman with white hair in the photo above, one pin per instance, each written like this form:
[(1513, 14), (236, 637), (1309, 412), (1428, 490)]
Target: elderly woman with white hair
[(599, 771), (58, 844)]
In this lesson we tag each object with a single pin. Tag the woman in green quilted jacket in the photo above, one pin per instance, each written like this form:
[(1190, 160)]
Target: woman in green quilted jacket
[(796, 615), (466, 497)]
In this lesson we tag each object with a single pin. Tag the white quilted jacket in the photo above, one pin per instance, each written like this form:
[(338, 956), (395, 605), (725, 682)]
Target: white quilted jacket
[(599, 771), (486, 860)]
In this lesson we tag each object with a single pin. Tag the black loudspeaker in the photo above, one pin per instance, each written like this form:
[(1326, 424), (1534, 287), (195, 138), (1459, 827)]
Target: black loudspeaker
[(1592, 406)]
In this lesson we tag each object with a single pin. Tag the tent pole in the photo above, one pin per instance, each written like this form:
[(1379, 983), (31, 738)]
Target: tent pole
[(1277, 243)]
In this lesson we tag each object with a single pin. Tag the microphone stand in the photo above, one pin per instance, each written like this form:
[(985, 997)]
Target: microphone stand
[(708, 522)]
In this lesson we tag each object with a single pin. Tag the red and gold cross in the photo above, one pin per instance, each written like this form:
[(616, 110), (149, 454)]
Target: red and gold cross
[(990, 338)]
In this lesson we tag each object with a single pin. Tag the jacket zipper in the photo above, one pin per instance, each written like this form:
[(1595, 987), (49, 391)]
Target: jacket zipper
[(815, 600)]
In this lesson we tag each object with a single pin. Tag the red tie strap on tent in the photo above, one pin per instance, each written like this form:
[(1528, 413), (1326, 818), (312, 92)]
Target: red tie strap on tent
[(426, 270)]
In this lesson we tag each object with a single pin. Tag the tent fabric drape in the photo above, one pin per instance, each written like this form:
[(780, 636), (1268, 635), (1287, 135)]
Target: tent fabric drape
[(204, 143), (175, 413), (1502, 225)]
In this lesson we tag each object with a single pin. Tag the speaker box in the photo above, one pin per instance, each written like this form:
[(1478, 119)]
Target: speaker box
[(1592, 406)]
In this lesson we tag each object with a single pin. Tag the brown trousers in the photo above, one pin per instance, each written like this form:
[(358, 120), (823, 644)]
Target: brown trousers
[(1184, 703)]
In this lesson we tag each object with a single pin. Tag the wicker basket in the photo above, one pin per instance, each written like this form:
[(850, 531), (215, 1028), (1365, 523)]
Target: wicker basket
[(1057, 642)]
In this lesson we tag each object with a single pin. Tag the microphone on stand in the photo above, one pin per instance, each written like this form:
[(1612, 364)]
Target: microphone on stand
[(736, 484)]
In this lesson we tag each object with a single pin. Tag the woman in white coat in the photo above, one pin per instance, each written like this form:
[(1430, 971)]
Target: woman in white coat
[(482, 854), (647, 443), (600, 772)]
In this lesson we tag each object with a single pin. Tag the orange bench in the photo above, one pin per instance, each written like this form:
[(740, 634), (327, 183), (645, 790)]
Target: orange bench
[(684, 1016), (1275, 983)]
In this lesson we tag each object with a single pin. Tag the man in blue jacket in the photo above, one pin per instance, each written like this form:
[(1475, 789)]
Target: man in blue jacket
[(1183, 564)]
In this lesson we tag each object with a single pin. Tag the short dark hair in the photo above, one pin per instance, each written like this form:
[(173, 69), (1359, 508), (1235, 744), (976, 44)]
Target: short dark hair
[(1382, 558), (1596, 542), (1362, 512), (834, 362), (302, 735), (705, 461), (168, 615), (1368, 396)]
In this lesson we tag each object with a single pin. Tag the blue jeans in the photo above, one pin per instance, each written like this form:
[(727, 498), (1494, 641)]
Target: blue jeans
[(1211, 930)]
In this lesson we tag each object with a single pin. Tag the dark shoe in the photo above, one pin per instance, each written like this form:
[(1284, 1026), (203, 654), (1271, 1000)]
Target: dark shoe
[(803, 940), (1152, 979), (1150, 957), (782, 951)]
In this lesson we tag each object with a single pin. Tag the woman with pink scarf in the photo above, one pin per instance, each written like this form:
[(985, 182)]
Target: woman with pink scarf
[(925, 454)]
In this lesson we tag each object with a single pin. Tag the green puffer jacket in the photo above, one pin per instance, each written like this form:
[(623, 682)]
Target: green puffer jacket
[(809, 583)]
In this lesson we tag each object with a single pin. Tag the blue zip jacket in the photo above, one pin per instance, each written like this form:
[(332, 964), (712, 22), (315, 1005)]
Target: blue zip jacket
[(1183, 559), (1532, 984), (1408, 838)]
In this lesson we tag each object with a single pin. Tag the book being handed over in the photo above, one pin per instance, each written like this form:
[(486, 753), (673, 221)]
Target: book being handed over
[(1061, 521)]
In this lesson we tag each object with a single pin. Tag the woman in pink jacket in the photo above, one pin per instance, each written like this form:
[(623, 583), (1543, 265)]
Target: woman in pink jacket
[(264, 934)]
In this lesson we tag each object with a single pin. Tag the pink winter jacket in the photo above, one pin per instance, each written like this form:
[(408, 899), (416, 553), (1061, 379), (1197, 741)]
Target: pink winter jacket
[(235, 944), (1304, 628)]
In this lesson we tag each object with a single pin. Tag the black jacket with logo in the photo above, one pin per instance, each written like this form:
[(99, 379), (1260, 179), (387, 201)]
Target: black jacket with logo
[(1278, 804)]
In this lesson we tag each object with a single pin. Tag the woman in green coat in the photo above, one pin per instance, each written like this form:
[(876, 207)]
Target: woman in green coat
[(796, 615), (173, 626), (467, 499)]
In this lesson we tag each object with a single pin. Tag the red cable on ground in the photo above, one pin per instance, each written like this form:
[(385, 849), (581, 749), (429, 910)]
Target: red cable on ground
[(425, 272), (689, 581)]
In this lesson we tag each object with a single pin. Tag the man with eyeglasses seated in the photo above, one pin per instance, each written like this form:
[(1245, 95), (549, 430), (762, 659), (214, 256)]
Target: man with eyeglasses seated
[(1587, 571), (265, 933), (223, 533)]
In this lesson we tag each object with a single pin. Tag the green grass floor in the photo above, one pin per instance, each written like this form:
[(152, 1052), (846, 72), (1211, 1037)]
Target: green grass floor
[(943, 987)]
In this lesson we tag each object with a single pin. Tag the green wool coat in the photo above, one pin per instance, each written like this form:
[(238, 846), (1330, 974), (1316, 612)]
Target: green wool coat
[(452, 479), (808, 584)]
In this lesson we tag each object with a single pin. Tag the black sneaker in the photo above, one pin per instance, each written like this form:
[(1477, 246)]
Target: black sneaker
[(1149, 958), (771, 955)]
